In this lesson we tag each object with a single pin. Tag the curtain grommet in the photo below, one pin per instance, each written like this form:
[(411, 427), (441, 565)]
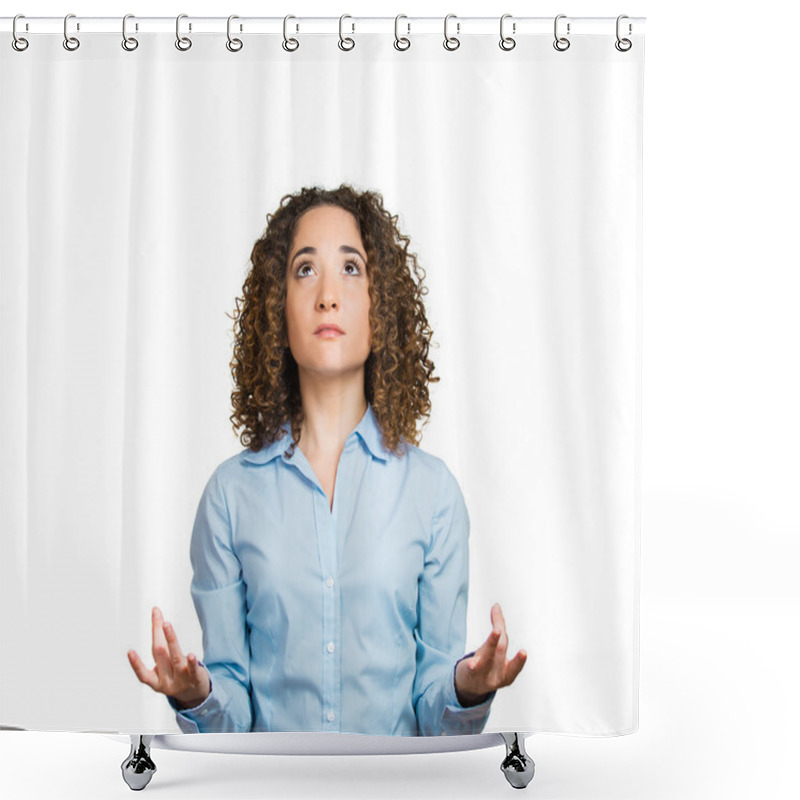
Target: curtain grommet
[(345, 42), (129, 43), (561, 43), (401, 43), (19, 43), (183, 43), (506, 42), (70, 42), (233, 45), (289, 44), (451, 42)]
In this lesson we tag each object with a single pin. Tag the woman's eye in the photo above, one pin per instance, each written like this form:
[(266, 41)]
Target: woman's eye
[(351, 267)]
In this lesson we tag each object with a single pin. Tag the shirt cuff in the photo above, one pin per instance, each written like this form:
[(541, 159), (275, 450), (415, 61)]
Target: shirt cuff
[(190, 719), (460, 719)]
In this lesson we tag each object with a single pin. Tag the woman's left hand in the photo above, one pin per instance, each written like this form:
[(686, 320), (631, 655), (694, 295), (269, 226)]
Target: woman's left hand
[(488, 670)]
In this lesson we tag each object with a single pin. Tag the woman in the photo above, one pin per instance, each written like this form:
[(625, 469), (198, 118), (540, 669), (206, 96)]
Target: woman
[(330, 557)]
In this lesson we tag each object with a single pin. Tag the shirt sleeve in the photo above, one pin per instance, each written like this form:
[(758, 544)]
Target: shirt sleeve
[(442, 621), (218, 592)]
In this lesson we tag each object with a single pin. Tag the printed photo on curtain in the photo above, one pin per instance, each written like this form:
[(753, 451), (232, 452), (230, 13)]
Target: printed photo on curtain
[(321, 380)]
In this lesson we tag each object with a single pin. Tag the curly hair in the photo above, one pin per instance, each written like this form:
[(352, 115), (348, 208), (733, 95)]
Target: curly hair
[(397, 371)]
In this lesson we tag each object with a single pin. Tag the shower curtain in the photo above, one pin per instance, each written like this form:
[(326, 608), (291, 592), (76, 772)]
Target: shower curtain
[(135, 181)]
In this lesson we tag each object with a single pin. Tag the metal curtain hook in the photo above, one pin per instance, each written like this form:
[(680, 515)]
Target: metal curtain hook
[(234, 45), (18, 42), (70, 42), (561, 43), (451, 42), (182, 42), (346, 43), (128, 42), (288, 44), (623, 45), (506, 42), (401, 43)]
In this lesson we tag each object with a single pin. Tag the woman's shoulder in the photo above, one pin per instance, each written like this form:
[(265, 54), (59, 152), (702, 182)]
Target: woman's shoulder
[(429, 467), (234, 467)]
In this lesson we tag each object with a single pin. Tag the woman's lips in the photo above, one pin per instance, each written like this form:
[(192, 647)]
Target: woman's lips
[(329, 333)]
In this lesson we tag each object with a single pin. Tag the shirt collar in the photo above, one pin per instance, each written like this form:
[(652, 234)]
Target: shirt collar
[(367, 430)]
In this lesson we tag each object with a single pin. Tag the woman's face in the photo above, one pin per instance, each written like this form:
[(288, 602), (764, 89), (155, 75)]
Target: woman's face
[(327, 284)]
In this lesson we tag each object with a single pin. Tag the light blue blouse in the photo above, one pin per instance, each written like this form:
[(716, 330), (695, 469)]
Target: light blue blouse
[(351, 619)]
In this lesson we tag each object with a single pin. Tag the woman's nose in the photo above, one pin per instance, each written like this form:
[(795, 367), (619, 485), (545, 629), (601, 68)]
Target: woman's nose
[(327, 297)]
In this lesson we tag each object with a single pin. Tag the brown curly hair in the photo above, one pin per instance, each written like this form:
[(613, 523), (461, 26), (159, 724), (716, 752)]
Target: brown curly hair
[(397, 371)]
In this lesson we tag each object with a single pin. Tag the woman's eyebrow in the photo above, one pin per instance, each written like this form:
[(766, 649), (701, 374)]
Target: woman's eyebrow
[(345, 248)]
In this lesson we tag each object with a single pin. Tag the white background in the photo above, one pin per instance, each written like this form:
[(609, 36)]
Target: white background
[(720, 612)]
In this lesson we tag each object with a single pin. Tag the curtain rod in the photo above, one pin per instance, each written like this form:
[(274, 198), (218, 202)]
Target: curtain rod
[(326, 25)]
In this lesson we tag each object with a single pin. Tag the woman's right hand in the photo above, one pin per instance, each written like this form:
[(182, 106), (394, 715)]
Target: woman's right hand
[(178, 676)]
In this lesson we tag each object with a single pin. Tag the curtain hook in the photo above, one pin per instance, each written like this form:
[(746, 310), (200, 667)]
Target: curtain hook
[(401, 43), (234, 45), (70, 42), (506, 42), (182, 42), (561, 43), (17, 41), (350, 43), (292, 44), (451, 42), (623, 45), (129, 43), (346, 43)]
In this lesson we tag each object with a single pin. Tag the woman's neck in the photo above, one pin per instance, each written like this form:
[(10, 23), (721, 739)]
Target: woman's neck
[(330, 415)]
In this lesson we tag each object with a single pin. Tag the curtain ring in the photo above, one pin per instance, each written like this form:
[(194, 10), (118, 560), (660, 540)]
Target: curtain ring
[(181, 42), (70, 42), (401, 43), (346, 43), (128, 42), (623, 45), (561, 43), (290, 45), (451, 42), (506, 42), (18, 43), (234, 45)]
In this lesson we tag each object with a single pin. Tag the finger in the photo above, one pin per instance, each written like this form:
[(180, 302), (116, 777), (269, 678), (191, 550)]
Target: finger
[(489, 649), (175, 652), (160, 646), (144, 674), (499, 623), (514, 667), (195, 670), (498, 620)]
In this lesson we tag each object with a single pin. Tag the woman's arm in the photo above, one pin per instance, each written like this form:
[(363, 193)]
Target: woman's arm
[(218, 591), (442, 620)]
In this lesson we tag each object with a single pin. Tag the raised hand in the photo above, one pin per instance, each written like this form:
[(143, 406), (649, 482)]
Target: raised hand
[(174, 674), (488, 669)]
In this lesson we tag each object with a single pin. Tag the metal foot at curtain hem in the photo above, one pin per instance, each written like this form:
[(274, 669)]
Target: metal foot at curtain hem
[(517, 766), (138, 768)]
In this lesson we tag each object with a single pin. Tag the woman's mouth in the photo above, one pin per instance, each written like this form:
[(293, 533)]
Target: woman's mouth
[(328, 332)]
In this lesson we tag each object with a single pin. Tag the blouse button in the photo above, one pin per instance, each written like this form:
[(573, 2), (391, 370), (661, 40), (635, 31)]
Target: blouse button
[(331, 647), (331, 716), (329, 582)]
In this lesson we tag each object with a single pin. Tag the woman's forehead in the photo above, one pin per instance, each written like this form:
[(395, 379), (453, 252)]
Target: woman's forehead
[(327, 216)]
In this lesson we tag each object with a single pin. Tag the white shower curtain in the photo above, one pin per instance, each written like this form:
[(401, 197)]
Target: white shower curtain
[(134, 185)]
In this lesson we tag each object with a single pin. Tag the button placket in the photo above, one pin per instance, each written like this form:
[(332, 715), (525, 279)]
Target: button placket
[(327, 533)]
